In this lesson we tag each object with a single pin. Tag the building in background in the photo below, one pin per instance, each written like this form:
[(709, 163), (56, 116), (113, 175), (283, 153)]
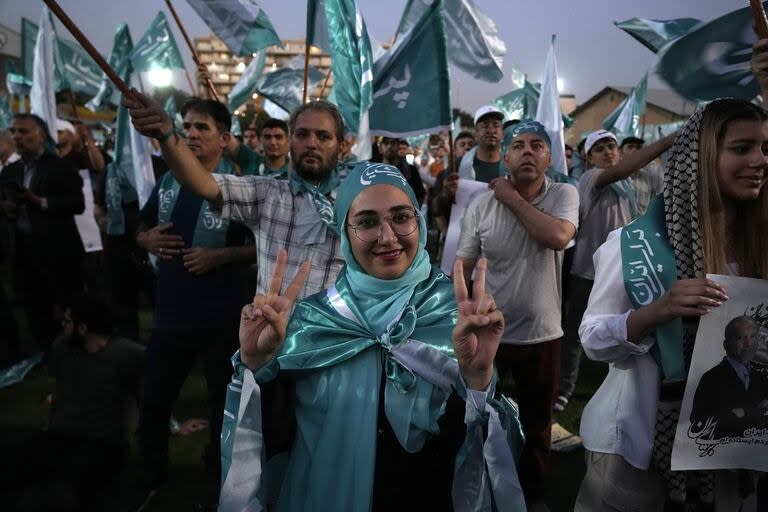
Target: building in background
[(227, 68), (662, 107)]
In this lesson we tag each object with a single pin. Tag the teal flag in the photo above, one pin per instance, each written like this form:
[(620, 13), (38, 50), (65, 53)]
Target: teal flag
[(17, 85), (625, 120), (120, 61), (712, 60), (655, 34), (522, 102), (474, 44), (352, 57), (5, 112), (157, 48), (283, 87), (42, 97), (548, 112), (235, 128), (241, 24), (246, 86), (73, 68), (412, 81)]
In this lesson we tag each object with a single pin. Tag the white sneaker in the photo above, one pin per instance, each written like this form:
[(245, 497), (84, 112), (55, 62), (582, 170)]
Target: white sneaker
[(560, 403)]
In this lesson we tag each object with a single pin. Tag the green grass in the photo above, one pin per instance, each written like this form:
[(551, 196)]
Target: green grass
[(24, 406)]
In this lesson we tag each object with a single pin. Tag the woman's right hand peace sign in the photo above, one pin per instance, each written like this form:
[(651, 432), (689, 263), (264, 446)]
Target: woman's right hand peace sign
[(263, 322)]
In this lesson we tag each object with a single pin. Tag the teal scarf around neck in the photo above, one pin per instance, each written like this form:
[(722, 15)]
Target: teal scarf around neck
[(378, 300), (318, 194)]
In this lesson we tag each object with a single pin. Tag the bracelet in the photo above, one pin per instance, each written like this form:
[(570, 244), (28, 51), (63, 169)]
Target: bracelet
[(167, 135)]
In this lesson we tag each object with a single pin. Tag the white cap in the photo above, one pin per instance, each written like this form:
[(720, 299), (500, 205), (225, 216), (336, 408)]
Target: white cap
[(488, 109), (596, 136), (62, 125)]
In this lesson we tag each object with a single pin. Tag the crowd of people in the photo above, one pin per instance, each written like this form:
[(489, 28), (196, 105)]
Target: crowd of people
[(365, 377)]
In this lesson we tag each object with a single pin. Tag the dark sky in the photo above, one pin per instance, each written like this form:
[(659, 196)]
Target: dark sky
[(591, 52)]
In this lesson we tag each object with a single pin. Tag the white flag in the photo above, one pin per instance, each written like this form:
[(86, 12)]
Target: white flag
[(42, 96), (548, 112)]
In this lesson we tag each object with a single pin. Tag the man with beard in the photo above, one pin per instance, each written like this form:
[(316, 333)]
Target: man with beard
[(97, 376), (485, 162), (295, 214), (199, 293), (391, 154)]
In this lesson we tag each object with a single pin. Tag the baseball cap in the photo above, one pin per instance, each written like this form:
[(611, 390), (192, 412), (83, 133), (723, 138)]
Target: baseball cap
[(596, 136), (62, 125), (488, 110)]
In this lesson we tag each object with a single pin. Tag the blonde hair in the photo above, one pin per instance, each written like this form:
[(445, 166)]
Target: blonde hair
[(751, 221)]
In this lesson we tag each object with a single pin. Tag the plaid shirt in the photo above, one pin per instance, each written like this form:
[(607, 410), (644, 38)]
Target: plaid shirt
[(269, 208)]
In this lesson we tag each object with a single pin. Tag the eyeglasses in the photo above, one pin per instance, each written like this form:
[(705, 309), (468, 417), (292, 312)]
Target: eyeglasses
[(369, 229)]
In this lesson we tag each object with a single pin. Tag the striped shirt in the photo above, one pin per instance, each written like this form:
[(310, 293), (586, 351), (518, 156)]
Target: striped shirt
[(269, 208)]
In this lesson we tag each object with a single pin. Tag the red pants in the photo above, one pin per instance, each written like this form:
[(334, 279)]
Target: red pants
[(536, 372)]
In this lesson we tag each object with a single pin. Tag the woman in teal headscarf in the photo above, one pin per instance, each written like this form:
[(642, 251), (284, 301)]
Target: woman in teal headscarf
[(379, 366)]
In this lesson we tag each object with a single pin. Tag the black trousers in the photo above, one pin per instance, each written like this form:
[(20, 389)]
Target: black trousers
[(57, 472), (170, 355)]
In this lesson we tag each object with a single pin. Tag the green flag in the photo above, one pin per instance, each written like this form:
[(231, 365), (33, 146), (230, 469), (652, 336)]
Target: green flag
[(712, 60), (522, 103), (246, 86), (412, 81), (5, 112), (157, 48), (474, 44), (241, 24), (284, 85), (120, 61), (73, 68), (655, 34), (625, 120), (351, 54)]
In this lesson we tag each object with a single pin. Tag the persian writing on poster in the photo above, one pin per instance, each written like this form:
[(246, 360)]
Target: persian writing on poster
[(724, 415)]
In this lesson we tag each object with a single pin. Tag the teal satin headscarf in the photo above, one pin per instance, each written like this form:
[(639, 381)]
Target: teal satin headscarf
[(379, 300)]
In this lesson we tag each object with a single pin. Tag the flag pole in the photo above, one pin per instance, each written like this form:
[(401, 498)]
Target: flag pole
[(325, 83), (73, 103), (195, 56), (761, 24), (86, 44), (306, 71), (452, 166)]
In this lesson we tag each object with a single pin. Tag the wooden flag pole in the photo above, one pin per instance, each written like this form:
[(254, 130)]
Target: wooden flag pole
[(452, 165), (74, 104), (195, 56), (325, 82), (761, 24), (86, 44), (306, 71)]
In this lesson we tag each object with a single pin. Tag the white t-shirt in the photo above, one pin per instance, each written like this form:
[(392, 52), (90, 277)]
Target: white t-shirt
[(523, 276)]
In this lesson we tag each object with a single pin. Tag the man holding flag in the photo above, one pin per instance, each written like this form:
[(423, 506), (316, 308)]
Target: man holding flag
[(199, 293)]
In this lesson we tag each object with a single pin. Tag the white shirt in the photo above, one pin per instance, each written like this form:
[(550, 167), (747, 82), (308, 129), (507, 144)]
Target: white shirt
[(13, 158), (620, 418)]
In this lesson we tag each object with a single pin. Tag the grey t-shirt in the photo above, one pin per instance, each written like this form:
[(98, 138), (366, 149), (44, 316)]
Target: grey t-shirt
[(487, 171), (92, 389), (523, 276), (648, 182), (600, 212)]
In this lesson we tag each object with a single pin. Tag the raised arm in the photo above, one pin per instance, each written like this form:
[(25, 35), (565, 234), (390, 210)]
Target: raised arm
[(633, 162), (551, 232), (760, 68), (151, 120)]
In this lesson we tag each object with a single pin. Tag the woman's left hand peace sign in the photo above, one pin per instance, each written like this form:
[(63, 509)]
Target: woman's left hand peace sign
[(478, 330)]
